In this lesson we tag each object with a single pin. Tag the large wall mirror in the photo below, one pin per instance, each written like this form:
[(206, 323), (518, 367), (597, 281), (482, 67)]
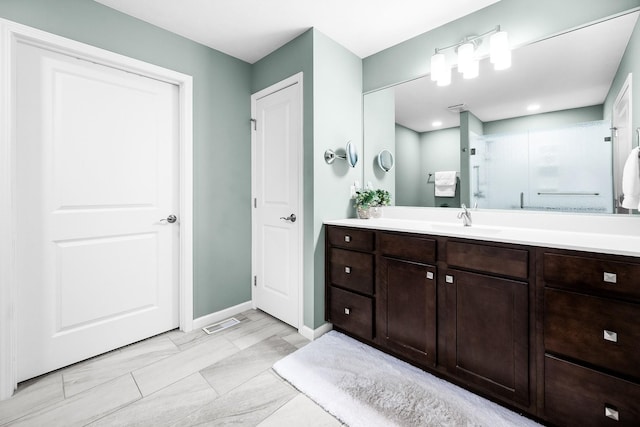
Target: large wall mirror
[(535, 136)]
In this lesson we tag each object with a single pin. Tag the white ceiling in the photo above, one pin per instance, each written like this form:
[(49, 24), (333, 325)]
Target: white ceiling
[(572, 70), (251, 29)]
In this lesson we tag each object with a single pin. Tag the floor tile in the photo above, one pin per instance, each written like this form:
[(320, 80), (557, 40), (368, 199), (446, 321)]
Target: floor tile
[(258, 331), (247, 405), (32, 396), (84, 376), (296, 340), (167, 371), (164, 407), (297, 409), (229, 373), (86, 407), (189, 339), (255, 314)]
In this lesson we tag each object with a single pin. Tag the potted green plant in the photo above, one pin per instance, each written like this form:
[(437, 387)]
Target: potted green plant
[(363, 201), (383, 199)]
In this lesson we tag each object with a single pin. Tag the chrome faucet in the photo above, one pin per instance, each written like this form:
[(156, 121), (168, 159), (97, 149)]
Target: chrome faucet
[(465, 215)]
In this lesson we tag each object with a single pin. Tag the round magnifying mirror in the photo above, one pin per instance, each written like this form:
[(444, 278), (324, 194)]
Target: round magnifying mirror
[(352, 154), (385, 160)]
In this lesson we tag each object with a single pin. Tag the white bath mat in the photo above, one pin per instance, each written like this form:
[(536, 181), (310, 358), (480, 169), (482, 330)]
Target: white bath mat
[(362, 386)]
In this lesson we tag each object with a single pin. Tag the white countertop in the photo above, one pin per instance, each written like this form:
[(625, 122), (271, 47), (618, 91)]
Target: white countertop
[(601, 234)]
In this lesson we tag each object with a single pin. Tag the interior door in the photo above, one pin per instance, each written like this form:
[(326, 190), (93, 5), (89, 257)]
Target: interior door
[(277, 139), (97, 167)]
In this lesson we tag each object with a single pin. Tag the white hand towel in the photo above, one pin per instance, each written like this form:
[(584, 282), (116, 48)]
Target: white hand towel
[(445, 184), (631, 181)]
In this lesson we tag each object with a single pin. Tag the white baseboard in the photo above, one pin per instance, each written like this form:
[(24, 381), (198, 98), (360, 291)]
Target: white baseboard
[(312, 334), (218, 316)]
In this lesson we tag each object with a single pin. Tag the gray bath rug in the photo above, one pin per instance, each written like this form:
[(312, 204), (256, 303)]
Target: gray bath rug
[(362, 386)]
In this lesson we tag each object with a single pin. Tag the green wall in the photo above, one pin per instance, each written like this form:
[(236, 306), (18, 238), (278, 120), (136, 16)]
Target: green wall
[(221, 110), (630, 64), (524, 20), (439, 151), (337, 106), (380, 133), (408, 170)]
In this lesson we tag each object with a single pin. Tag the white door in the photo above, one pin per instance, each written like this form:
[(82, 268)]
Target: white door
[(277, 183), (622, 139), (97, 167)]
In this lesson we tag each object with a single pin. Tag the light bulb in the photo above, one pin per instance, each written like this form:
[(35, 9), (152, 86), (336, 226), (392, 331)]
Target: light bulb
[(499, 51), (472, 70), (465, 57), (444, 79), (438, 65)]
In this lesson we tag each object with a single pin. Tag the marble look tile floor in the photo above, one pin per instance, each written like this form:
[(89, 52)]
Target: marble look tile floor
[(175, 379)]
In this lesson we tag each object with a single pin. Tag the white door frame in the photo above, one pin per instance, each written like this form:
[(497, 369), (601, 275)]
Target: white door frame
[(290, 81), (626, 88), (10, 34)]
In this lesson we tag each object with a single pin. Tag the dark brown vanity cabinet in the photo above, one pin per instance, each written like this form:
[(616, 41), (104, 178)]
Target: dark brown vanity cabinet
[(406, 296), (487, 317), (591, 324), (350, 280), (454, 306), (554, 333)]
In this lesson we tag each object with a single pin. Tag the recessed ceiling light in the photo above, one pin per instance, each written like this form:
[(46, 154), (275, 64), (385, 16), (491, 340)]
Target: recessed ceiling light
[(436, 124), (533, 107)]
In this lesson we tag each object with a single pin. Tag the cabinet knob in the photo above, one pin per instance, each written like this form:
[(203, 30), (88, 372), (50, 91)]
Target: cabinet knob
[(430, 275), (347, 239), (610, 336), (448, 278), (610, 277), (347, 270), (611, 412), (347, 311)]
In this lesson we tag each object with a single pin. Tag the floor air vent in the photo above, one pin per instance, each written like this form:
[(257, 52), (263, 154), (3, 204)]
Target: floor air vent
[(217, 327)]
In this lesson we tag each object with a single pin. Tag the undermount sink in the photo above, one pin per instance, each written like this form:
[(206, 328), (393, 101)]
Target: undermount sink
[(459, 228)]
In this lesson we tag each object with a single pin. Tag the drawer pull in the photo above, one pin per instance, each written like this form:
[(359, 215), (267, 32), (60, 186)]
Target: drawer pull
[(347, 239), (347, 270), (347, 311), (610, 277), (610, 336), (611, 412), (448, 278), (430, 275)]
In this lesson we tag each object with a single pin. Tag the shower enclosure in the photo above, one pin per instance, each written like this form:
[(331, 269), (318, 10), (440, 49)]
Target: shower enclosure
[(566, 169)]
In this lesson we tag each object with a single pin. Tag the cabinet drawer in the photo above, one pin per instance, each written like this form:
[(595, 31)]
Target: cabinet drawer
[(595, 274), (577, 396), (351, 312), (410, 248), (489, 259), (591, 329), (352, 270), (362, 240)]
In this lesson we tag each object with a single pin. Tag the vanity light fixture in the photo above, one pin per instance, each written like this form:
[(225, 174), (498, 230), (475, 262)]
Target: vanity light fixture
[(468, 62)]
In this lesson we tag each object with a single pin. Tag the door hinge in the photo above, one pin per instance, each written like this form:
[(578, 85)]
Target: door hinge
[(255, 123), (255, 280), (255, 202)]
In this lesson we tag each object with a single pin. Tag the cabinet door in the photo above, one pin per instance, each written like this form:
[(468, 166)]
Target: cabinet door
[(487, 332), (406, 309)]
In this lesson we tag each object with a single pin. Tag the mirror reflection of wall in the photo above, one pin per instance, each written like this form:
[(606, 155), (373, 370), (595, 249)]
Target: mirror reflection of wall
[(379, 134), (572, 77)]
